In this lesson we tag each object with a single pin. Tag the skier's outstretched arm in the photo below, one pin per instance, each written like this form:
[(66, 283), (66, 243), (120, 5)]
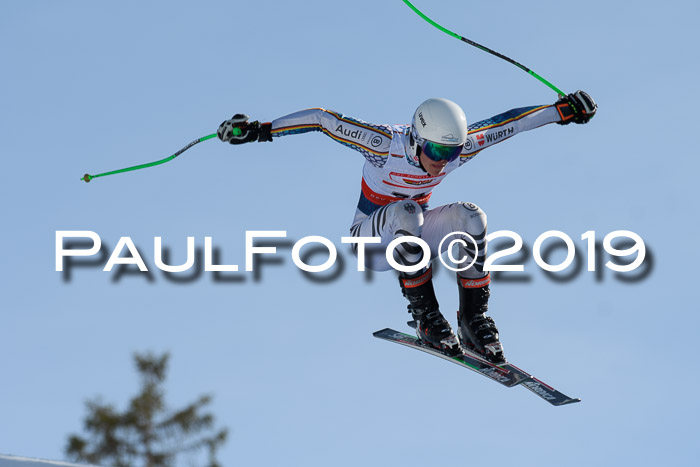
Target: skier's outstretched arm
[(578, 107), (372, 140)]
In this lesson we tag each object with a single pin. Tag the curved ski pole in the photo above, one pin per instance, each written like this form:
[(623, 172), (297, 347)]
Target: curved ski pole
[(88, 177), (485, 49)]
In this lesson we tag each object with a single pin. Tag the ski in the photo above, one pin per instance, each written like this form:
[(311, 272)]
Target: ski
[(506, 374)]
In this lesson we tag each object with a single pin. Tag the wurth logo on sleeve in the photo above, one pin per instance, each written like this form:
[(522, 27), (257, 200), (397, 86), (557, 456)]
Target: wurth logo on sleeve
[(498, 135), (494, 137)]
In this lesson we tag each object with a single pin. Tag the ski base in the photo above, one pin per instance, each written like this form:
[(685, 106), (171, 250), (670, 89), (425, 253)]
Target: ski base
[(506, 374)]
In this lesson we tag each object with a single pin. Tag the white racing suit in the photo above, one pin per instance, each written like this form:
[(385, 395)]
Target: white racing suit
[(396, 190)]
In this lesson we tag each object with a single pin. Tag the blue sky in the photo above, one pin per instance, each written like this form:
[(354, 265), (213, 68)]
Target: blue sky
[(295, 371)]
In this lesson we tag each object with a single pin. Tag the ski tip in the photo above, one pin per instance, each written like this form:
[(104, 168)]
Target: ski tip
[(379, 333), (570, 401)]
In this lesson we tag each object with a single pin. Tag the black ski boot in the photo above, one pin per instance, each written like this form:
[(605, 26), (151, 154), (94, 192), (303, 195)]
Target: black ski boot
[(477, 332), (431, 327)]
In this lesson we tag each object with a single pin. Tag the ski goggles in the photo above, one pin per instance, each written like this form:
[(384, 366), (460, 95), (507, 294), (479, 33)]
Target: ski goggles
[(434, 151), (439, 152)]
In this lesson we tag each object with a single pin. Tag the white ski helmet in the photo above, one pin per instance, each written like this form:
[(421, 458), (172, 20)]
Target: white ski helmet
[(439, 130)]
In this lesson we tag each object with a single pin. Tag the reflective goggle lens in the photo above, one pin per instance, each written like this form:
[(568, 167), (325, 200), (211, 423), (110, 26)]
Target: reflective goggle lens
[(439, 152)]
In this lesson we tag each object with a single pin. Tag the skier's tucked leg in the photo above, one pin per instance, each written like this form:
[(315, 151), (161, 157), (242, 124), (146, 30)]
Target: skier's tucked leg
[(476, 332), (431, 326), (405, 218)]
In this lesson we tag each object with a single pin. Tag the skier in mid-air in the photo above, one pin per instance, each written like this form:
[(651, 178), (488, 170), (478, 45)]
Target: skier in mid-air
[(403, 164)]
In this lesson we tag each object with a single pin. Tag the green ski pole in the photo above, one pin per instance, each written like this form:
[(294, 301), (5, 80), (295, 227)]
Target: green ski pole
[(485, 49), (88, 177)]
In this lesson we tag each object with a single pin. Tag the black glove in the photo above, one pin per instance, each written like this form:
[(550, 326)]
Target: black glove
[(238, 130), (578, 107)]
